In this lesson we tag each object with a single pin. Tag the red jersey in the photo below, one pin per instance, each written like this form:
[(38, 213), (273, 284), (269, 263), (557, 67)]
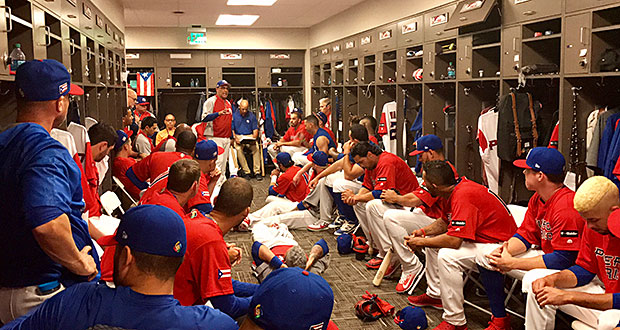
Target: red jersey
[(164, 198), (155, 164), (206, 270), (555, 137), (297, 133), (203, 196), (385, 173), (373, 139), (90, 189), (120, 165), (600, 254), (475, 213), (284, 185), (554, 225), (222, 125)]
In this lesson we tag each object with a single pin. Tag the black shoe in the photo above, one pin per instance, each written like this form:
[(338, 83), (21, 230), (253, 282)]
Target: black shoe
[(258, 177)]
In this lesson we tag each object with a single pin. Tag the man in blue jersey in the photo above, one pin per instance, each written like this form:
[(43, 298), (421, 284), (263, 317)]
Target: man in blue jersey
[(321, 141), (150, 245), (44, 243)]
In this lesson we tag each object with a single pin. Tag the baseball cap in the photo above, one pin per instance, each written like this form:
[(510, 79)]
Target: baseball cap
[(207, 150), (345, 243), (284, 159), (44, 80), (411, 318), (222, 83), (613, 223), (543, 159), (292, 299), (141, 100), (426, 143), (319, 158), (322, 117), (152, 229), (121, 139)]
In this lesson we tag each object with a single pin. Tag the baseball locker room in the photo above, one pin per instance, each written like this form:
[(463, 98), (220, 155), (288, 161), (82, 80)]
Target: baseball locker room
[(290, 164)]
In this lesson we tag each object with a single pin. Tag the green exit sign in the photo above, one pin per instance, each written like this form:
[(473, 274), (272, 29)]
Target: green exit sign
[(197, 38)]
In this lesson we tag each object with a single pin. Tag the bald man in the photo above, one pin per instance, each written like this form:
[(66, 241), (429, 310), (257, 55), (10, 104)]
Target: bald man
[(245, 131), (578, 290), (131, 98)]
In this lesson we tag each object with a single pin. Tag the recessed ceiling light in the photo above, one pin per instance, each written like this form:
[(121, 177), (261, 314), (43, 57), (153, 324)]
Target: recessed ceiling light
[(245, 20), (251, 2)]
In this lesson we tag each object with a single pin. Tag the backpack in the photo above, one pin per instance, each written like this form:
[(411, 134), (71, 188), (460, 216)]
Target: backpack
[(610, 60), (517, 128)]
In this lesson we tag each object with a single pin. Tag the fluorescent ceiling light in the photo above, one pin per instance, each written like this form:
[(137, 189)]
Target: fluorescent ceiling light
[(251, 2), (245, 20)]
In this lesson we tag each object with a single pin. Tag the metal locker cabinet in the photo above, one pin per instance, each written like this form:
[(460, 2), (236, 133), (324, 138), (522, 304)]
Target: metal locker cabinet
[(70, 13), (464, 57), (350, 53), (221, 59), (144, 59), (470, 12), (53, 6), (386, 37), (336, 49), (435, 23), (39, 32), (367, 43), (263, 77), (325, 54), (577, 50), (315, 56), (577, 5), (214, 75), (429, 62), (4, 43), (410, 32), (511, 51), (163, 77), (516, 11)]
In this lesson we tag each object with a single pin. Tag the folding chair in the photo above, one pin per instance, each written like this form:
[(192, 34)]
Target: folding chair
[(578, 325), (121, 186), (111, 202)]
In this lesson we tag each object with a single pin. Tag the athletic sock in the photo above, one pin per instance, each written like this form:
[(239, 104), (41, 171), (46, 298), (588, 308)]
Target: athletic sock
[(494, 285)]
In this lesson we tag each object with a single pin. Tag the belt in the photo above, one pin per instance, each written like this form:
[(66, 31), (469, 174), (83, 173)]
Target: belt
[(49, 287)]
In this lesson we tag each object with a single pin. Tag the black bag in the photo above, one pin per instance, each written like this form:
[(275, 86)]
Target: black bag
[(610, 60), (517, 128), (542, 68)]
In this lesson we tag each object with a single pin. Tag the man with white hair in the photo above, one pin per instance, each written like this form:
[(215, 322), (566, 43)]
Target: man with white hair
[(575, 290)]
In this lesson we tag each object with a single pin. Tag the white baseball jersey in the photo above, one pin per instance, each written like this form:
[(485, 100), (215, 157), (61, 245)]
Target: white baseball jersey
[(387, 127), (487, 139)]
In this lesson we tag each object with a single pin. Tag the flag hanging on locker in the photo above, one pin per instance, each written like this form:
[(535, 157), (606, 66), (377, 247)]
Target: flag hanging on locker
[(146, 84)]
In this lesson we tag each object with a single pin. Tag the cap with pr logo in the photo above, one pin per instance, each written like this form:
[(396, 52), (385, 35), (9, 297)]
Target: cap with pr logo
[(44, 80)]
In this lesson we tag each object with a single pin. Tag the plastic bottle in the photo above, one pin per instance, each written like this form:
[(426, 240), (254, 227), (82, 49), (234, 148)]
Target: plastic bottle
[(191, 83), (197, 83), (279, 82), (17, 58), (451, 71)]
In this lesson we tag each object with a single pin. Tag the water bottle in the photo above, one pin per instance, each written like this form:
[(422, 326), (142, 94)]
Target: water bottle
[(451, 71), (197, 83), (191, 83), (279, 82), (17, 58)]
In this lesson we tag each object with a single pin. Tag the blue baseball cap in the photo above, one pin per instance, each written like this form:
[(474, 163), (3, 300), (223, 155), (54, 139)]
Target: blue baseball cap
[(207, 150), (411, 318), (222, 83), (543, 159), (292, 299), (322, 117), (319, 158), (121, 139), (141, 100), (345, 243), (426, 143), (152, 229), (44, 80), (284, 159)]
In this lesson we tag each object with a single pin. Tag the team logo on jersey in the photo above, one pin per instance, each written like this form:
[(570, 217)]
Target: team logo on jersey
[(611, 263), (205, 193), (569, 233), (317, 326), (258, 312), (458, 223), (193, 214), (63, 88), (381, 179), (223, 273), (177, 247)]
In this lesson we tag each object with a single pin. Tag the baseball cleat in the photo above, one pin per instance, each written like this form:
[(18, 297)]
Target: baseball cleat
[(425, 300)]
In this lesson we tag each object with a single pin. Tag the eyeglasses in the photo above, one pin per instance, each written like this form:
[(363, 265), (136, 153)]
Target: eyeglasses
[(169, 119)]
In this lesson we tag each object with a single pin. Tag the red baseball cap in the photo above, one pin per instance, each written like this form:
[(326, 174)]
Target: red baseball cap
[(613, 223)]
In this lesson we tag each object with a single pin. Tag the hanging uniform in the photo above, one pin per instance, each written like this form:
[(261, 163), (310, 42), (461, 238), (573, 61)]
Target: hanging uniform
[(487, 140), (387, 127)]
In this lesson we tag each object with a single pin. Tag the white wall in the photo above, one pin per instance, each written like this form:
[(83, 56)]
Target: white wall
[(365, 16), (217, 38), (113, 10)]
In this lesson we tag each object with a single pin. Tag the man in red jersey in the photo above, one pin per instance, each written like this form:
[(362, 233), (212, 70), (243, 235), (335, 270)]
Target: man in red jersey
[(382, 171), (217, 123), (292, 140), (123, 161), (473, 218), (574, 290), (157, 163)]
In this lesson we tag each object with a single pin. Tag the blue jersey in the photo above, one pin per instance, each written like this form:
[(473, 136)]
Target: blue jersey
[(40, 182), (244, 125), (96, 306), (321, 132)]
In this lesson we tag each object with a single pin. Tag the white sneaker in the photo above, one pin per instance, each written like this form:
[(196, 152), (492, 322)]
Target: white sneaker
[(319, 226), (337, 223), (347, 228), (408, 280)]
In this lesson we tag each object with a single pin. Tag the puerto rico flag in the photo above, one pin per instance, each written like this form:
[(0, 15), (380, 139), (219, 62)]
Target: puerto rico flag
[(146, 84), (222, 273)]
